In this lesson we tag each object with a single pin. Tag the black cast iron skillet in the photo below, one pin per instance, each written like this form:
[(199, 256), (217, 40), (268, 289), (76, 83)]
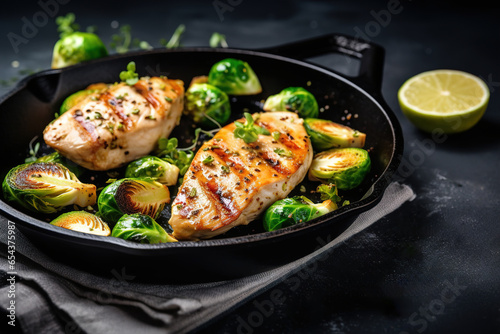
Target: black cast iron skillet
[(244, 250)]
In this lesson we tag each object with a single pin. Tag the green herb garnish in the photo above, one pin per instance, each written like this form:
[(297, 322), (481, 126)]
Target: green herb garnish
[(129, 76), (249, 131)]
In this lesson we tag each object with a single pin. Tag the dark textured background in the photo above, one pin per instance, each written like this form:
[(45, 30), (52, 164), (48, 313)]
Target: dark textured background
[(431, 267)]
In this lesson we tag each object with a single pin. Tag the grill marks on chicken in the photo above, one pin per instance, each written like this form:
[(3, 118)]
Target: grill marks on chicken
[(117, 124), (240, 180)]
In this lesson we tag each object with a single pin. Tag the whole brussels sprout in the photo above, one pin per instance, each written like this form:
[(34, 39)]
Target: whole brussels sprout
[(205, 103), (77, 47), (82, 221), (295, 99), (295, 210), (234, 77), (79, 96), (155, 168), (326, 134), (46, 187), (132, 195), (344, 167), (140, 228)]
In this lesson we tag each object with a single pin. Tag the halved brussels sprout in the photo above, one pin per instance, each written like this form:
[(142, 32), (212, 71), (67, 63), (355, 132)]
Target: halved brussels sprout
[(234, 77), (132, 195), (204, 103), (79, 96), (155, 168), (295, 99), (82, 221), (344, 167), (327, 134), (46, 187), (77, 47), (295, 210), (59, 158), (140, 228)]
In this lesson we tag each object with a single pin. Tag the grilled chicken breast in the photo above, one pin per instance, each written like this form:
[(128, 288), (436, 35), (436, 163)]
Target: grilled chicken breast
[(117, 124), (230, 183)]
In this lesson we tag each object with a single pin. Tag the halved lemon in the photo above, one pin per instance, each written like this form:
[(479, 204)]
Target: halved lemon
[(448, 101)]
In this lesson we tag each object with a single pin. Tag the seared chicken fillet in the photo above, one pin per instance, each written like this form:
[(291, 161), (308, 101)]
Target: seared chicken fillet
[(230, 183), (117, 124)]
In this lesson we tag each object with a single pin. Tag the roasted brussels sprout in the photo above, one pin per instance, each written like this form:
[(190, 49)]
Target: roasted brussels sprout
[(59, 158), (79, 96), (234, 77), (46, 187), (155, 168), (77, 47), (295, 210), (140, 228), (295, 99), (344, 167), (82, 221), (326, 134), (132, 195), (205, 104)]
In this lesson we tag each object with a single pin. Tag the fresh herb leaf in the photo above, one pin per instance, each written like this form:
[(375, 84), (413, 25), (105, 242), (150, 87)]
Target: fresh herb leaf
[(249, 131), (218, 39), (66, 25), (175, 40), (208, 160), (130, 76), (282, 152), (329, 192)]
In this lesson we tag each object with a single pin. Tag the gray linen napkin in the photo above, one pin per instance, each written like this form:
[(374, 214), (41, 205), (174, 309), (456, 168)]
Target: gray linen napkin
[(55, 298)]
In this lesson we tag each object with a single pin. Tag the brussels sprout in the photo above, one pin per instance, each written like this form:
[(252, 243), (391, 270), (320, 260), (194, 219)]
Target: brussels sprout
[(344, 167), (327, 134), (140, 228), (132, 195), (295, 210), (295, 99), (79, 96), (205, 103), (46, 187), (155, 168), (82, 221), (77, 47), (234, 77), (59, 158)]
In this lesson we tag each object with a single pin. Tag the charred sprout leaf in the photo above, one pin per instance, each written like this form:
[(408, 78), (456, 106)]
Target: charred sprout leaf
[(207, 105), (295, 210), (326, 134), (140, 228), (82, 221), (175, 40), (46, 187), (129, 76), (218, 39), (329, 192), (295, 99), (132, 195), (59, 158), (155, 168), (234, 77), (344, 167), (66, 25), (249, 131)]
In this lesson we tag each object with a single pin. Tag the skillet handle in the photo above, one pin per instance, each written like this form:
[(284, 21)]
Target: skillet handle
[(370, 55)]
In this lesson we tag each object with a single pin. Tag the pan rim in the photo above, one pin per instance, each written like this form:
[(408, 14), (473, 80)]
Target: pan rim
[(376, 190)]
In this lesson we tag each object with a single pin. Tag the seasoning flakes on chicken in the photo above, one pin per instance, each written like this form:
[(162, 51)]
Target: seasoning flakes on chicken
[(118, 123), (230, 183)]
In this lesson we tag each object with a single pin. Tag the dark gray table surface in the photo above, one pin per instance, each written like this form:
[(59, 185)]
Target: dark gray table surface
[(433, 266)]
